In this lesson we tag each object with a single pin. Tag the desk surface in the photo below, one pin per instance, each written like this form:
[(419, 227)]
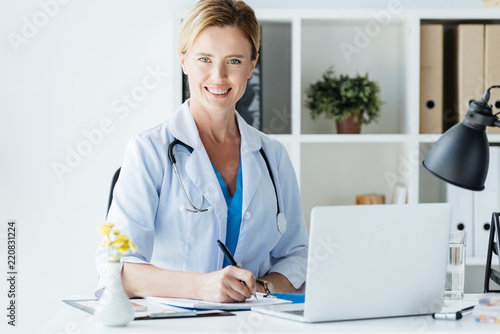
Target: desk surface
[(72, 320)]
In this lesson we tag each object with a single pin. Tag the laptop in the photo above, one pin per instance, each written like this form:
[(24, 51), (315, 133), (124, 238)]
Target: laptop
[(373, 261)]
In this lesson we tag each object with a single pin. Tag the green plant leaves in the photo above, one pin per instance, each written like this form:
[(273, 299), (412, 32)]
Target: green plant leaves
[(341, 96)]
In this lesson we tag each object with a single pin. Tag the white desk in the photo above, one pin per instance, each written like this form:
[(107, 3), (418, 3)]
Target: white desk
[(72, 320)]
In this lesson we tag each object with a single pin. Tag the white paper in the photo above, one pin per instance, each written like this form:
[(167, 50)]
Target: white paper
[(200, 304)]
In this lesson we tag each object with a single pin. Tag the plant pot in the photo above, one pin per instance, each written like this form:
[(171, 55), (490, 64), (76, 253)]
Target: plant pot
[(114, 307), (349, 126)]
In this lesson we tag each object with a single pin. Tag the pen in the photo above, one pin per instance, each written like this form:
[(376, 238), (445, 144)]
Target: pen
[(230, 258), (452, 315)]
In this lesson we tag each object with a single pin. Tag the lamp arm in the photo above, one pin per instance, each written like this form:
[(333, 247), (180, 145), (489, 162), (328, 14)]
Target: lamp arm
[(486, 96), (494, 86), (480, 113)]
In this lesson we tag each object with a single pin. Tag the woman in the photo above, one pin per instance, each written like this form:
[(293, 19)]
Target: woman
[(225, 175)]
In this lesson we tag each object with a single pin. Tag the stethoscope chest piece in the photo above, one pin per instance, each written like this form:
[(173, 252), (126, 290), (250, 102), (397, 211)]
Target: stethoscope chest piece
[(281, 222)]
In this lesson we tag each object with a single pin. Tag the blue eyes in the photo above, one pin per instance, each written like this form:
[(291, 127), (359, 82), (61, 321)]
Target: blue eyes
[(232, 61)]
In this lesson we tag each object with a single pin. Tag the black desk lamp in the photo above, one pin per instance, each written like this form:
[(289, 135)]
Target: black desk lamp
[(461, 157)]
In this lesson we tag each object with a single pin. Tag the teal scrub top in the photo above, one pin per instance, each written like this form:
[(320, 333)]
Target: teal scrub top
[(234, 205)]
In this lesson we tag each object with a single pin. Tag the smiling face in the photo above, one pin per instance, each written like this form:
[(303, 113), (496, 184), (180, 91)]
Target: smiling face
[(218, 65)]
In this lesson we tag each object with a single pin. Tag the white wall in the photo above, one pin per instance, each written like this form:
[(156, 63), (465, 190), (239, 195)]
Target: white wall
[(64, 82), (66, 68)]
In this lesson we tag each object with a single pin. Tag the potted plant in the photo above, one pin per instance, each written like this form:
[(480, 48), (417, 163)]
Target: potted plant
[(351, 101)]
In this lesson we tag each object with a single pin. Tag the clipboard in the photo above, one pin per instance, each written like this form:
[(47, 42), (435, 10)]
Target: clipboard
[(194, 304), (149, 310)]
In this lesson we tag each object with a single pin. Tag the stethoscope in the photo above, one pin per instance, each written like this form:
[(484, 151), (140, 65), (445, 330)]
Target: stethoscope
[(280, 216)]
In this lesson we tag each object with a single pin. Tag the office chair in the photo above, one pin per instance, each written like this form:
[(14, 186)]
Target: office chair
[(113, 182)]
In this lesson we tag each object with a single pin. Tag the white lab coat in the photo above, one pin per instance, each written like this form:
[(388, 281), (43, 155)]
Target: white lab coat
[(148, 197)]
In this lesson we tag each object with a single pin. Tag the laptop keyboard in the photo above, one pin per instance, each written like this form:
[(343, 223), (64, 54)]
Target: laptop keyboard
[(296, 312)]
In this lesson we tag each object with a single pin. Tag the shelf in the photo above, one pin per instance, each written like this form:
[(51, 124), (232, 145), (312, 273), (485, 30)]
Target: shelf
[(358, 14), (354, 138), (344, 138), (432, 138)]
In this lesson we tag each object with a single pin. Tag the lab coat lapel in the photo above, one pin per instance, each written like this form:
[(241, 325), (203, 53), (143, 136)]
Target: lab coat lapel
[(198, 166), (251, 172), (183, 127)]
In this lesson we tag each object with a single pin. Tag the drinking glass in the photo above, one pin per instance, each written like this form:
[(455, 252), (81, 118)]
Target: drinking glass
[(455, 270)]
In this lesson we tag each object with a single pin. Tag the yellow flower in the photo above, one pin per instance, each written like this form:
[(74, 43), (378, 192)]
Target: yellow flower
[(123, 248), (116, 242), (106, 228)]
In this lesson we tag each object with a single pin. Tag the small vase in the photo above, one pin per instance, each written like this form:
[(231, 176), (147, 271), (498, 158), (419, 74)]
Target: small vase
[(114, 307), (349, 126)]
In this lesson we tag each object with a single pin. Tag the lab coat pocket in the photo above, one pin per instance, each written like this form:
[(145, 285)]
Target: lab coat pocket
[(201, 229)]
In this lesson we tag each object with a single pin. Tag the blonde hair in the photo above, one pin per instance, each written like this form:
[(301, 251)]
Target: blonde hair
[(220, 13)]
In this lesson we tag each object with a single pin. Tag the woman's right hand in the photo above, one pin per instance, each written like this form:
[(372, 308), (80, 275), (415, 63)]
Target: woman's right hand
[(228, 285)]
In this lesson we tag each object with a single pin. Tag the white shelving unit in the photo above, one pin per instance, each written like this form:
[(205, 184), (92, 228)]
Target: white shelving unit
[(333, 168)]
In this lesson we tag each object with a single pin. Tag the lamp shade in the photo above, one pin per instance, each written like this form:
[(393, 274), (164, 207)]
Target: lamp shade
[(460, 157)]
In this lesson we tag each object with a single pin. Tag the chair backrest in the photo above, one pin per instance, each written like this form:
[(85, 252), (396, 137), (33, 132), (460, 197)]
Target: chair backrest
[(113, 182)]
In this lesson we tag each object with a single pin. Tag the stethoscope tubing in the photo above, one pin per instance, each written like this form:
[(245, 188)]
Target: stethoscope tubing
[(171, 157), (195, 209), (280, 217), (272, 179)]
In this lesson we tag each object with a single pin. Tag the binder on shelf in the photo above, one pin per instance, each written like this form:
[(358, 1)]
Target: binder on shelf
[(470, 66), (491, 4), (431, 78), (492, 67), (462, 216), (485, 203)]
